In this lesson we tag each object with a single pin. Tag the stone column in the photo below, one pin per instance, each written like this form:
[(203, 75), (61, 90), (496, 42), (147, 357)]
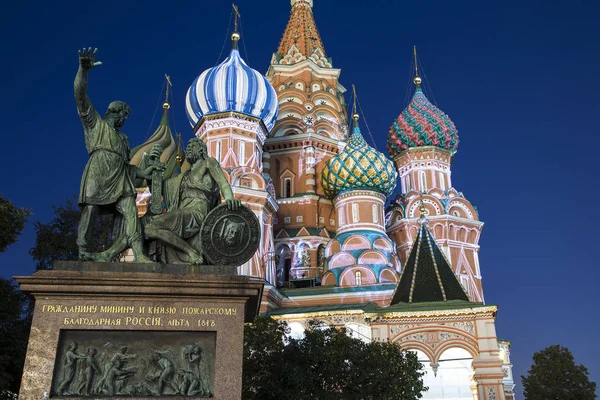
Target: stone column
[(488, 365)]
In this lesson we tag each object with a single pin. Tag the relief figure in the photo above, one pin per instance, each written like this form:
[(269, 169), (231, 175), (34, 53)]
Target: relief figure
[(70, 364)]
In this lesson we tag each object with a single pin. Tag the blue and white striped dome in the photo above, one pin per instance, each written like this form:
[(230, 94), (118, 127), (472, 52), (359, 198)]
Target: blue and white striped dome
[(232, 86)]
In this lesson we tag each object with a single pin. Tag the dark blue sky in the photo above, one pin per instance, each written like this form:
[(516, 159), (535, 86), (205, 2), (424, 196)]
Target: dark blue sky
[(520, 79)]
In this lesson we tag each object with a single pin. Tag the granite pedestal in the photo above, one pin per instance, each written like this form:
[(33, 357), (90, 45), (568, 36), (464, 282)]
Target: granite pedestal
[(104, 330)]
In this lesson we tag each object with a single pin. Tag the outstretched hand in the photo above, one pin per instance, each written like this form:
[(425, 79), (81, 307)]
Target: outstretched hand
[(87, 57), (233, 204)]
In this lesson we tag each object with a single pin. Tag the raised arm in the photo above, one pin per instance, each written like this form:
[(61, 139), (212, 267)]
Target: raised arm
[(86, 62)]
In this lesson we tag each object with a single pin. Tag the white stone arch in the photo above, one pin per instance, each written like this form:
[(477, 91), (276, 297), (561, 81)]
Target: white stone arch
[(420, 348), (450, 376), (438, 338)]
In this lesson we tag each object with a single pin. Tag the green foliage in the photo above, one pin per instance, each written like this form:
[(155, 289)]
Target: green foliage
[(15, 320), (57, 239), (326, 364), (12, 222), (554, 375)]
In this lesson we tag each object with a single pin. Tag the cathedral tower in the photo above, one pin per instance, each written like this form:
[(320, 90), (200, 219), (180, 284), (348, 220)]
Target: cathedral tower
[(311, 128), (358, 181), (422, 142), (232, 107)]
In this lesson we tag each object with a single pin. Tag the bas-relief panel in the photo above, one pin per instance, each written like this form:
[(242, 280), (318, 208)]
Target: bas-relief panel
[(93, 363)]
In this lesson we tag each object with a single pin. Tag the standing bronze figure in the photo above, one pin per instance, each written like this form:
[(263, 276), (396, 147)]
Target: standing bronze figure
[(107, 185)]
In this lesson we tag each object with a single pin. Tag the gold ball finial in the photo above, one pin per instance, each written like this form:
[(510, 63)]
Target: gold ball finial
[(417, 80), (355, 116), (235, 36), (179, 159), (166, 105)]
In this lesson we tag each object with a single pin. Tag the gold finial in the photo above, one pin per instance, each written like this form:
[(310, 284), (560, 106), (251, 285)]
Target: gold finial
[(169, 84), (355, 115), (417, 79), (235, 36), (178, 157)]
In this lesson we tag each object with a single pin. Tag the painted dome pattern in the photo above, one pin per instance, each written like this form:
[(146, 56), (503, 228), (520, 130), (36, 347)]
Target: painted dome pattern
[(359, 166), (232, 86), (421, 124)]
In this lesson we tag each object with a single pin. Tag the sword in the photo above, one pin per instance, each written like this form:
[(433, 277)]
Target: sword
[(157, 179)]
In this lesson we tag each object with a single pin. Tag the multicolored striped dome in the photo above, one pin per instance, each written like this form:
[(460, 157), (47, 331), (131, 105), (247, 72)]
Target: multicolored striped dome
[(359, 166), (421, 124), (232, 86)]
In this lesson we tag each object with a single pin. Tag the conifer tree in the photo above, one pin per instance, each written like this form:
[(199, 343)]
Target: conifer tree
[(555, 376)]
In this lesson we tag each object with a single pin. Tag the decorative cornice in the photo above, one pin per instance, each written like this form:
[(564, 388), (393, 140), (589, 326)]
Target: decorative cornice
[(486, 311), (359, 192), (231, 119)]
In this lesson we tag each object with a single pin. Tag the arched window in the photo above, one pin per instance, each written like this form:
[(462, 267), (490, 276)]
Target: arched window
[(452, 376), (423, 181), (407, 187), (355, 212), (442, 181), (375, 214), (242, 152), (218, 152), (287, 187), (358, 278)]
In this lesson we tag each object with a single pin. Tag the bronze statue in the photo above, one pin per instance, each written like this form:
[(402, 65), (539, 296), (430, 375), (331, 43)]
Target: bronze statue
[(107, 185), (189, 198)]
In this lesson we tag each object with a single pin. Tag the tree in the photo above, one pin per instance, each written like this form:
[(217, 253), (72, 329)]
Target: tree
[(325, 364), (554, 375), (12, 222), (15, 321), (57, 239)]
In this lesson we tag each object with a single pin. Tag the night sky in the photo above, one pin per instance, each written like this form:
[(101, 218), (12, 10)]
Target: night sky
[(519, 78)]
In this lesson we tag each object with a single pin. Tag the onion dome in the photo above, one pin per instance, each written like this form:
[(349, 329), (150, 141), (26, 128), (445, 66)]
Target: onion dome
[(359, 166), (232, 86), (172, 153), (421, 124)]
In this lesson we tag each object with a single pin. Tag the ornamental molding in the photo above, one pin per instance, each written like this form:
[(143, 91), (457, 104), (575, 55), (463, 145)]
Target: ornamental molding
[(416, 153), (479, 312), (306, 65), (354, 193), (466, 326), (232, 120), (491, 393), (350, 315), (434, 338)]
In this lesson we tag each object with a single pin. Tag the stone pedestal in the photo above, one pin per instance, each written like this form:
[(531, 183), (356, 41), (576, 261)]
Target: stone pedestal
[(103, 330)]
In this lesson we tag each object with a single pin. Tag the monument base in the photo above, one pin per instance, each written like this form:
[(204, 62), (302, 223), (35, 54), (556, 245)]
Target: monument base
[(103, 330)]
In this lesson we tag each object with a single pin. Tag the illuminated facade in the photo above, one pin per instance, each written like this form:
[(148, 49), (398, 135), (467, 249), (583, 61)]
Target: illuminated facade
[(335, 246)]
